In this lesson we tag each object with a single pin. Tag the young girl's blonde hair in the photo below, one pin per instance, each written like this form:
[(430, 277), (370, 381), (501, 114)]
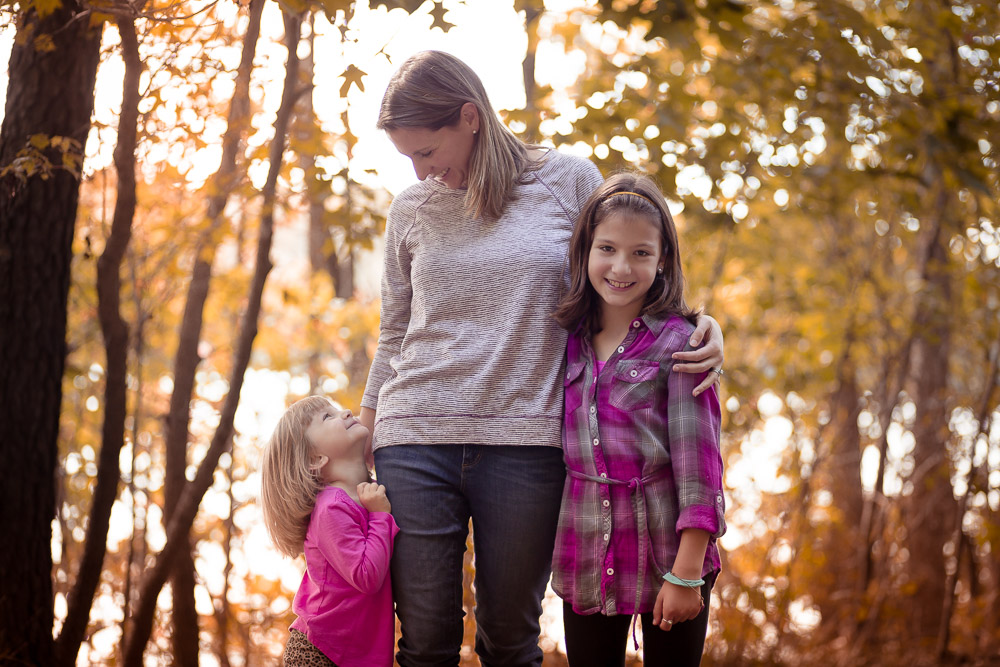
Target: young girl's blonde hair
[(288, 487), (428, 91)]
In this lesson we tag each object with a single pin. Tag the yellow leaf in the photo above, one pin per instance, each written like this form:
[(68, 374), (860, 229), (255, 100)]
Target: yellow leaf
[(437, 13), (44, 43), (45, 7), (39, 141), (71, 163), (99, 18), (331, 7), (352, 75)]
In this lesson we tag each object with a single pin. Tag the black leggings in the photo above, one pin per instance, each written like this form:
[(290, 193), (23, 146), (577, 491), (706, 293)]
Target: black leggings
[(599, 641)]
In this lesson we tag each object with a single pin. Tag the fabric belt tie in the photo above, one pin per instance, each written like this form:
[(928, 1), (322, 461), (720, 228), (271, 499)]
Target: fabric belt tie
[(637, 494)]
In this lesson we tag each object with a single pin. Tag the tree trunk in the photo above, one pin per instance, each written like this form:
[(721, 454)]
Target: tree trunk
[(179, 525), (959, 540), (222, 612), (185, 615), (929, 508), (116, 334), (50, 93), (842, 470), (138, 415), (532, 11)]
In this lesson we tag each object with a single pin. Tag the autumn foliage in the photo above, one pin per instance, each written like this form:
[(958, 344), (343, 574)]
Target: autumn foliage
[(834, 170)]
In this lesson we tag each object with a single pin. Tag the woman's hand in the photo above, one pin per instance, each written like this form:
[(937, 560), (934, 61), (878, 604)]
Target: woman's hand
[(367, 419), (676, 604), (709, 357)]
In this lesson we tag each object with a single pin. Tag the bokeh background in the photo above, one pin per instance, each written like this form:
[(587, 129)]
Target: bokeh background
[(833, 169)]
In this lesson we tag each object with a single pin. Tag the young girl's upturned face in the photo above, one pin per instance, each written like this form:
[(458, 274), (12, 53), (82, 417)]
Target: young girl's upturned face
[(623, 262), (336, 434)]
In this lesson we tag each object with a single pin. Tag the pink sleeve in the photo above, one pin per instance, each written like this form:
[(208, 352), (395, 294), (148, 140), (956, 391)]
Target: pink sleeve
[(358, 555)]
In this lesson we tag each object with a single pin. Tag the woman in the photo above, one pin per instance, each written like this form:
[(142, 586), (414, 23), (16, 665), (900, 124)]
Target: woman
[(464, 397)]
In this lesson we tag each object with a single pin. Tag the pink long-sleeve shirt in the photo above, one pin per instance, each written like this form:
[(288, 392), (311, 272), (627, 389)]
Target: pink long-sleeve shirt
[(344, 603)]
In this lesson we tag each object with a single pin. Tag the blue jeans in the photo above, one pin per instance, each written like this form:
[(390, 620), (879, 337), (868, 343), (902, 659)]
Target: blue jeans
[(512, 495)]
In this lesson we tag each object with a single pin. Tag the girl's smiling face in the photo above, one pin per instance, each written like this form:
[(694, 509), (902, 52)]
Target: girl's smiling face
[(442, 154), (624, 258), (335, 435)]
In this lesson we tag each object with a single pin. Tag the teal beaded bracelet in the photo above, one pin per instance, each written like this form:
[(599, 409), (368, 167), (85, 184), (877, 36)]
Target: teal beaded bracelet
[(672, 578)]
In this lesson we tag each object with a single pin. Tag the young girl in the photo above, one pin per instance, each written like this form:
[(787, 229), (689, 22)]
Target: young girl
[(643, 503), (317, 498)]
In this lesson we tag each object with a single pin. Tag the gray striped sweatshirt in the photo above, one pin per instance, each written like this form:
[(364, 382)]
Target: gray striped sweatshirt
[(468, 352)]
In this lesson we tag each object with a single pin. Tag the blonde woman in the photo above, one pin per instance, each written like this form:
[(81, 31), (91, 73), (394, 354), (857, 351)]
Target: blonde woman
[(465, 390), (318, 499)]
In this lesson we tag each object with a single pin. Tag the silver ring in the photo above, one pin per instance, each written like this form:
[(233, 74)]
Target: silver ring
[(719, 371), (668, 621)]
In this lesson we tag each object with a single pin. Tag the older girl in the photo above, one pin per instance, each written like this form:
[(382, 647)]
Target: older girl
[(643, 503)]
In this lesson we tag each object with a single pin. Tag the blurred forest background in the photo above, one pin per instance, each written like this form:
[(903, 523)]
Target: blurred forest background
[(834, 166)]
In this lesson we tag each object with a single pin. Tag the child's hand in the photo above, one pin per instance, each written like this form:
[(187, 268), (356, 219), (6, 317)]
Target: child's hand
[(676, 604), (373, 498)]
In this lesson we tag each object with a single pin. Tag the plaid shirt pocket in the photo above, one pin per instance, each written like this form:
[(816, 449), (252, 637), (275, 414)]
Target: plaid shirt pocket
[(634, 384), (573, 386)]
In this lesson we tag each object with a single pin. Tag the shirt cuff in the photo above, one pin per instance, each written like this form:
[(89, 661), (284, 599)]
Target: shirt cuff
[(710, 518)]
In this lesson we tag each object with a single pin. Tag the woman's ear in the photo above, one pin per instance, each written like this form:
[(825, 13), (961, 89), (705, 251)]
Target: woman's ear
[(470, 115)]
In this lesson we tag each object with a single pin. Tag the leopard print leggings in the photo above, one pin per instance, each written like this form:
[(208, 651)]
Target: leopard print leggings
[(299, 652)]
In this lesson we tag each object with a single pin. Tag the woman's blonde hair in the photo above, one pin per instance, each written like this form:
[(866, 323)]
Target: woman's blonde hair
[(288, 487), (428, 92)]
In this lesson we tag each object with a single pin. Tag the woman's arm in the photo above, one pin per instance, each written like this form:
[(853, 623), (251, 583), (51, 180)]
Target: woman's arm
[(367, 418), (704, 358), (394, 316)]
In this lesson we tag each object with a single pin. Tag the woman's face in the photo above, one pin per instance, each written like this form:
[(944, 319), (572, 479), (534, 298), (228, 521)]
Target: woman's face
[(441, 154)]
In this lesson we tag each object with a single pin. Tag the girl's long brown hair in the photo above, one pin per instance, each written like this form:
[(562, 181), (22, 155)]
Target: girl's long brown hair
[(581, 307), (428, 91)]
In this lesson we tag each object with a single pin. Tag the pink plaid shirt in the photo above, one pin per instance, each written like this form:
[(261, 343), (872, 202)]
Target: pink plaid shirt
[(643, 464)]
